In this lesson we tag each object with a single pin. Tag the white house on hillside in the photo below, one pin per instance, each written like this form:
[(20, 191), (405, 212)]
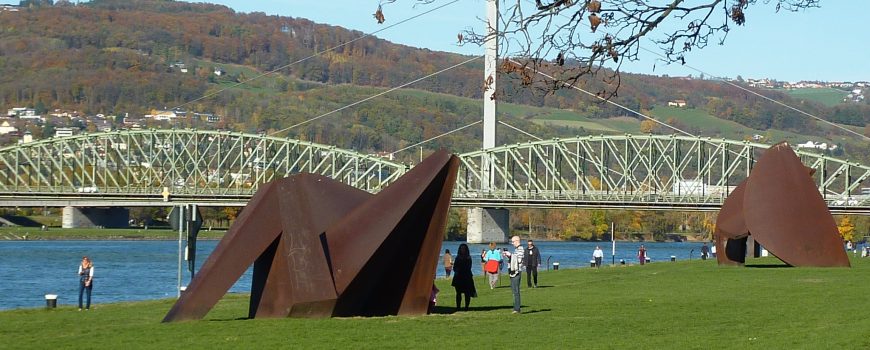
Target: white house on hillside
[(162, 115), (677, 103), (821, 145), (6, 128), (63, 132)]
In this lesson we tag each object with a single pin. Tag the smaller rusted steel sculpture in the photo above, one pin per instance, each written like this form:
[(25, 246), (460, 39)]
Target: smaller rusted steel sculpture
[(779, 206), (321, 248)]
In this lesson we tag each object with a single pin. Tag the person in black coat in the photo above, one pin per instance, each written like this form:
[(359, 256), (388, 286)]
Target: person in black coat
[(533, 260), (463, 281)]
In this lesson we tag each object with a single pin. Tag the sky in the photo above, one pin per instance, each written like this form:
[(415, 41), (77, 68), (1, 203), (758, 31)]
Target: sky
[(827, 43)]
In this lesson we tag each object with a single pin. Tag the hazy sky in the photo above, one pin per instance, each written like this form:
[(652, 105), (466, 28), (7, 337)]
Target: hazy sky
[(828, 43)]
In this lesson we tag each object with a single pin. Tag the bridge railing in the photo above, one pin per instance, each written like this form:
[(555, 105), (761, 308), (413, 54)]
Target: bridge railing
[(185, 162), (671, 168)]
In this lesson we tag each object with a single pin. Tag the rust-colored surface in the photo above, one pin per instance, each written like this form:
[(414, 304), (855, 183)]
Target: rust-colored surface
[(731, 229), (321, 248), (786, 213), (783, 210)]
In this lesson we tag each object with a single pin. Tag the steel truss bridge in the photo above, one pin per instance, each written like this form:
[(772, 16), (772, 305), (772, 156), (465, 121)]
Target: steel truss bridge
[(153, 167)]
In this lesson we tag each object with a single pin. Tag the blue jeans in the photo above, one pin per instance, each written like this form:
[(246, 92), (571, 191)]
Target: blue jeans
[(515, 289), (82, 290)]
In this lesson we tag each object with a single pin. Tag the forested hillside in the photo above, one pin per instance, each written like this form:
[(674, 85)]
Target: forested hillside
[(131, 57), (119, 57)]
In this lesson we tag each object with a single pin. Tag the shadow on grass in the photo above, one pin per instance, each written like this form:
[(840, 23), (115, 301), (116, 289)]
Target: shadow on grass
[(450, 309), (229, 319), (767, 266), (537, 311)]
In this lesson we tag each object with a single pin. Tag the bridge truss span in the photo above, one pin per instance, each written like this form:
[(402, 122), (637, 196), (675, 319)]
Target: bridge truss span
[(195, 164), (638, 172)]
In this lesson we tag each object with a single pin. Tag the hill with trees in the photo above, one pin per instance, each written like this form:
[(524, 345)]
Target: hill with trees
[(123, 57), (131, 57)]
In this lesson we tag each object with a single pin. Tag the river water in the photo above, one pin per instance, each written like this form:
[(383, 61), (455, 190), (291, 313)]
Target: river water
[(143, 270)]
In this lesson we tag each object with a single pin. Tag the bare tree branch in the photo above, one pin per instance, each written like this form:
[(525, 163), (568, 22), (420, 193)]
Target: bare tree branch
[(590, 39)]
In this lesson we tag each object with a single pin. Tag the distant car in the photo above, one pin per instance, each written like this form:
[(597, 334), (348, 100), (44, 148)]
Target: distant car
[(88, 189)]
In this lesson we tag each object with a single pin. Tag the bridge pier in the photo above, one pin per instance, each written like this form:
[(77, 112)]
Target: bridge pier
[(81, 217), (488, 225)]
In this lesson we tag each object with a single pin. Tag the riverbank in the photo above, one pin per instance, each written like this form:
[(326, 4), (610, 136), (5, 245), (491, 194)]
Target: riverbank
[(139, 233), (677, 305), (55, 233)]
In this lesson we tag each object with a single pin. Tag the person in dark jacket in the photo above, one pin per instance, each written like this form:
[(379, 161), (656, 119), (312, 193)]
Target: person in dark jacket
[(533, 260), (463, 281)]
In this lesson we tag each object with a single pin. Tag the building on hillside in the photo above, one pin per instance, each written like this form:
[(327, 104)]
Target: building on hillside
[(6, 128), (219, 71), (162, 115), (64, 132), (677, 103), (180, 66), (208, 117), (19, 111), (857, 95), (820, 145), (26, 138), (24, 113), (103, 125), (8, 8)]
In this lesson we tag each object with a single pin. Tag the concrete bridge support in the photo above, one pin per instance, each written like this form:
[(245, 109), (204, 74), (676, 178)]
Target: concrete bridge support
[(488, 225), (79, 217)]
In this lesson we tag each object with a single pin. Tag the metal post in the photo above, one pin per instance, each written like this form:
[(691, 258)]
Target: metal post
[(193, 211), (613, 244), (180, 247)]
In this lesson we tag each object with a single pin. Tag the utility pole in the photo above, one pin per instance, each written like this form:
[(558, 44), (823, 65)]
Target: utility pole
[(489, 224), (490, 73)]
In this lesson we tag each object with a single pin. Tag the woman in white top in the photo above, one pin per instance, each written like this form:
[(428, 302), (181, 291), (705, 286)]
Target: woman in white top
[(86, 281)]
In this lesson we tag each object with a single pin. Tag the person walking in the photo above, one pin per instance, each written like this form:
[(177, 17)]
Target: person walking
[(483, 262), (641, 254), (705, 250), (86, 281), (598, 255), (463, 282), (515, 271), (533, 260), (448, 263), (493, 259)]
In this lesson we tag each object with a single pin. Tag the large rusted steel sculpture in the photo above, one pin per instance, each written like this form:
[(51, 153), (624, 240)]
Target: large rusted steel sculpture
[(321, 248), (779, 206)]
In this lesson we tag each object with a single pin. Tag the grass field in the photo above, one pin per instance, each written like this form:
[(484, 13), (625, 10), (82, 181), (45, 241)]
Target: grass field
[(700, 119), (680, 305), (826, 96)]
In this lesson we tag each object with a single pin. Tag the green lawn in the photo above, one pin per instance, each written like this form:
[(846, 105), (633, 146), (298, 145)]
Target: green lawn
[(681, 305), (826, 96)]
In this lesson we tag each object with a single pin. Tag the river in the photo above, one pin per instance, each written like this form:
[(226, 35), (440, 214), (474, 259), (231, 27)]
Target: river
[(145, 270)]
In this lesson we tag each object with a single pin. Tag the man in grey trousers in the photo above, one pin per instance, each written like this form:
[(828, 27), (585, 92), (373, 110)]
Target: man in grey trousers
[(516, 271)]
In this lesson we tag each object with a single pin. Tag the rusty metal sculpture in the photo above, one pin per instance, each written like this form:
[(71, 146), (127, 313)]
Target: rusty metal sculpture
[(321, 248), (779, 206)]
